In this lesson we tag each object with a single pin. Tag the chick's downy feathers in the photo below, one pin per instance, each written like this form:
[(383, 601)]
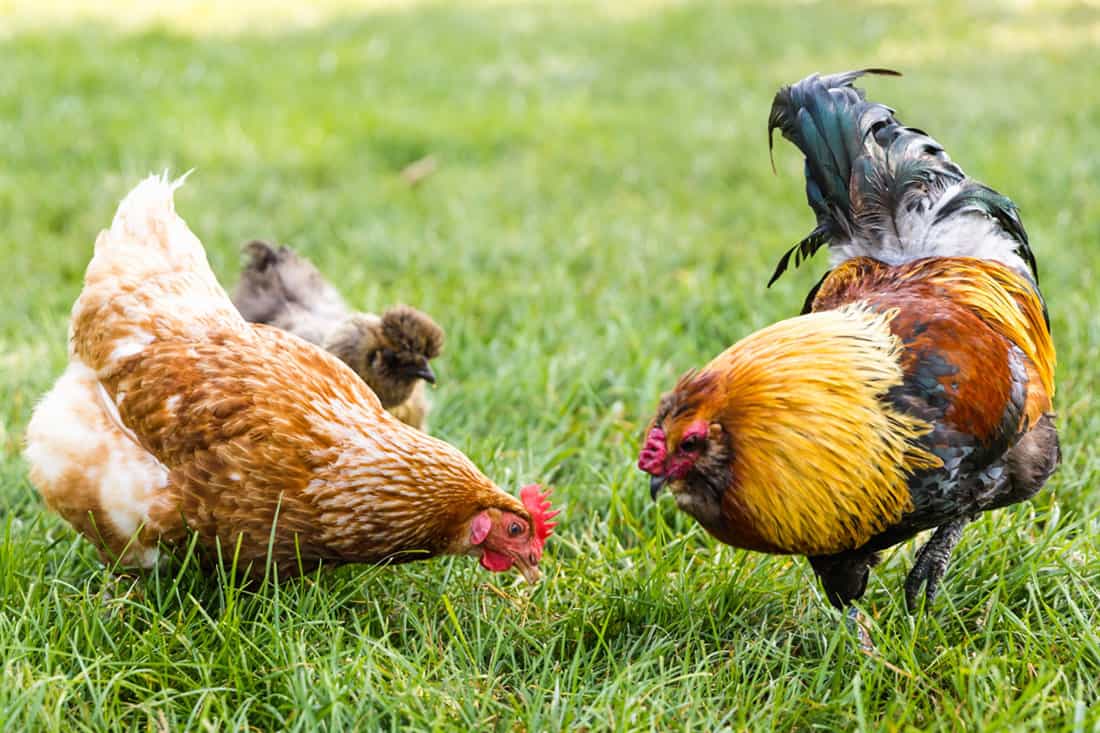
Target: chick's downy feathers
[(391, 352)]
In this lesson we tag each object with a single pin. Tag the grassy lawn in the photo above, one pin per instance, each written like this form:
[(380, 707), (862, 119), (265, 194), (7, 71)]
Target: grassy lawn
[(603, 217)]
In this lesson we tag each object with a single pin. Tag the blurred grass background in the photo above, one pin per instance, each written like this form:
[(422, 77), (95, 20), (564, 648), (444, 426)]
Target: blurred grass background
[(602, 217)]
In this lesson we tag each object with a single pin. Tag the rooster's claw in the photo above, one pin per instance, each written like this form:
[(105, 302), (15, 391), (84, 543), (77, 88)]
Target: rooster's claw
[(931, 563)]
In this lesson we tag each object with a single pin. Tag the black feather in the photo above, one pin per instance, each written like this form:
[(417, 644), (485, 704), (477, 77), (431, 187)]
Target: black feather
[(865, 171), (808, 303), (821, 115), (802, 251), (977, 196)]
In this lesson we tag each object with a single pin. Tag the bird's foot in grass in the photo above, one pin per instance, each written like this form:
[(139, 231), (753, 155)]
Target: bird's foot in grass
[(120, 583), (855, 621), (931, 563), (117, 594)]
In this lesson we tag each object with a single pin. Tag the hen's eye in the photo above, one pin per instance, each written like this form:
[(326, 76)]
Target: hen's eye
[(515, 529), (692, 443)]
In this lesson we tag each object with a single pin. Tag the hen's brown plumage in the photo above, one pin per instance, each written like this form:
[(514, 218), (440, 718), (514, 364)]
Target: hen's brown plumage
[(175, 414)]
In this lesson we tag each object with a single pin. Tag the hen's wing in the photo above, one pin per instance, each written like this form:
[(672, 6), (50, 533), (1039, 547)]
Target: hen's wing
[(978, 365), (243, 427)]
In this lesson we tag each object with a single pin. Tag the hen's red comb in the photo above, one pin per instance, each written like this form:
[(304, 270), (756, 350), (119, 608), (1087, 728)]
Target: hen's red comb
[(538, 506), (652, 458)]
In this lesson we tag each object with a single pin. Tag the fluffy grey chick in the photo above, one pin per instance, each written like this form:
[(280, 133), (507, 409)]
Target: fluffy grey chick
[(391, 352)]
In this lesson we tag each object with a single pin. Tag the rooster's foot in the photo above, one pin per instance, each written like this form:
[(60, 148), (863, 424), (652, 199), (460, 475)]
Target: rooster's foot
[(855, 622), (931, 563)]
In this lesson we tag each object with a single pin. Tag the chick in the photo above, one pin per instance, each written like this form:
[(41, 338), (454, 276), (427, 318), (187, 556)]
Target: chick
[(391, 352)]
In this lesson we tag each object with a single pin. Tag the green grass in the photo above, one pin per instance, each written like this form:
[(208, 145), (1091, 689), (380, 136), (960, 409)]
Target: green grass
[(603, 217)]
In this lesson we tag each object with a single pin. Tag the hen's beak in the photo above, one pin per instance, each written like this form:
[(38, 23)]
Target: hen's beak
[(530, 570), (656, 483), (423, 371)]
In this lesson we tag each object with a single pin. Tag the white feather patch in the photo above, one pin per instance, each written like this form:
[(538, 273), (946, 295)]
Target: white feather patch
[(963, 234), (77, 444)]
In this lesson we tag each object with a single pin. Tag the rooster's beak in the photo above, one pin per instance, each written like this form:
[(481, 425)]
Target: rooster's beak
[(656, 483)]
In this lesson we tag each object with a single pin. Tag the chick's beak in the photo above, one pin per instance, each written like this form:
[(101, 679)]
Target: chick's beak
[(423, 371), (656, 483)]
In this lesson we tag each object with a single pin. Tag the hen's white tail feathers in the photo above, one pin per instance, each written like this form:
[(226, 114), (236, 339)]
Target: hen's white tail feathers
[(147, 236), (91, 470), (148, 280), (149, 202)]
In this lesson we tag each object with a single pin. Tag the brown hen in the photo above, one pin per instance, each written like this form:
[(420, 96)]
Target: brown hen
[(175, 415)]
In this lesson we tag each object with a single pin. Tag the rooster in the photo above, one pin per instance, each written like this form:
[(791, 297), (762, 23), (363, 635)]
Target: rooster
[(176, 416), (914, 392), (389, 352)]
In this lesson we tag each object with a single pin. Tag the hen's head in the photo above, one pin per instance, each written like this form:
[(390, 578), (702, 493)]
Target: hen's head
[(505, 539)]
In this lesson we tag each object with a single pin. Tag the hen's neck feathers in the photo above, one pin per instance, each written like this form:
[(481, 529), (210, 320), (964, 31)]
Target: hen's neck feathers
[(397, 480)]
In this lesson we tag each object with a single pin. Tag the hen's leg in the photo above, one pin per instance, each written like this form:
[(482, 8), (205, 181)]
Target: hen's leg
[(931, 564)]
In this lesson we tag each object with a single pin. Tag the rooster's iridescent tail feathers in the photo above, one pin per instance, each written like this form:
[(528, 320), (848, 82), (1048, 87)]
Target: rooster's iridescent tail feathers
[(883, 190)]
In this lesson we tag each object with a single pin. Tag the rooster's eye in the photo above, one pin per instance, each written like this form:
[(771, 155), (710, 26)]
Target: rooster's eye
[(692, 443), (515, 529)]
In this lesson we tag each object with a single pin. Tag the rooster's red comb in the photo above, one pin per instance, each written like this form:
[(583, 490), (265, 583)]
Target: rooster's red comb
[(652, 458), (537, 503)]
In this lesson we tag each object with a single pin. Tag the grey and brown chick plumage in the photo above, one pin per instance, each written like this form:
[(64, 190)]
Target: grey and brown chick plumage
[(391, 352)]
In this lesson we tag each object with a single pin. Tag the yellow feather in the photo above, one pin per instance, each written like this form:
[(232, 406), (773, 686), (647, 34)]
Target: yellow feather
[(1005, 301), (821, 461)]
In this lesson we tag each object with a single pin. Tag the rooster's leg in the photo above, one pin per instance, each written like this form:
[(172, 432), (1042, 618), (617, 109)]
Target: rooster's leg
[(844, 575), (931, 563), (844, 578)]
